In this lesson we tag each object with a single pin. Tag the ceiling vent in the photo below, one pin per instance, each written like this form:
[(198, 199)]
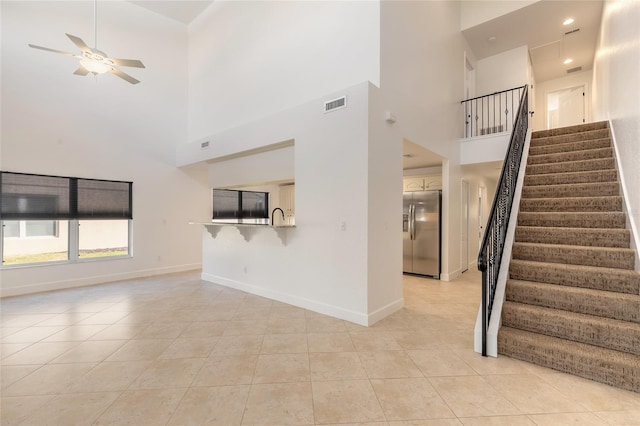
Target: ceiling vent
[(335, 104), (575, 69), (575, 30), (204, 145)]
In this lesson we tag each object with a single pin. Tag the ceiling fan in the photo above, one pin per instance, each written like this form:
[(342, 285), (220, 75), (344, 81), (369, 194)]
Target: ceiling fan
[(96, 61)]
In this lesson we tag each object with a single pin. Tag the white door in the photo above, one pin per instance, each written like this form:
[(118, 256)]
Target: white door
[(482, 196), (464, 226), (566, 107)]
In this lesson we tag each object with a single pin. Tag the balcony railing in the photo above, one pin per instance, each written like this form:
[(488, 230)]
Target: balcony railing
[(494, 113)]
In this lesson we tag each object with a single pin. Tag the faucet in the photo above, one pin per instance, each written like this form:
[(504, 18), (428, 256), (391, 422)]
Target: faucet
[(273, 217)]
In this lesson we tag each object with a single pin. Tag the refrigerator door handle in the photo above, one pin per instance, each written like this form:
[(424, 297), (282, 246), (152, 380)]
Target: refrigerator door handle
[(412, 222)]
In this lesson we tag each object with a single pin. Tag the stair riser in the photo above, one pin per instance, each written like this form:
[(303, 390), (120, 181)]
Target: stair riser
[(573, 236), (618, 280), (611, 220), (570, 129), (621, 373), (576, 204), (576, 166), (569, 138), (616, 335), (606, 189), (567, 147), (589, 154), (571, 178), (575, 255), (589, 302)]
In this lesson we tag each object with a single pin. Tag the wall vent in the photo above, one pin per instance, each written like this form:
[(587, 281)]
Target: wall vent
[(335, 104), (576, 69), (575, 30), (204, 145)]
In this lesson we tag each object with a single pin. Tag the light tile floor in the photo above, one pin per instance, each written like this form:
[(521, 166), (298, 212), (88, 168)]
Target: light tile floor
[(175, 350)]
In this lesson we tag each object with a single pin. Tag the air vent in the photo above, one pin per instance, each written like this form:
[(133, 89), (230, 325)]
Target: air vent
[(204, 145), (575, 30), (335, 104), (575, 69)]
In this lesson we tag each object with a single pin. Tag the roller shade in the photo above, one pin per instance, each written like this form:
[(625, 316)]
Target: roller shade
[(30, 197)]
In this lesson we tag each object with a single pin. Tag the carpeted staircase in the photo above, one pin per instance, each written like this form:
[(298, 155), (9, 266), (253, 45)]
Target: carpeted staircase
[(573, 297)]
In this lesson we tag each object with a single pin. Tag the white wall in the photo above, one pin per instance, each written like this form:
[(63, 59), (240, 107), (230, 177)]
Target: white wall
[(503, 71), (269, 166), (545, 87), (323, 266), (422, 80), (54, 122), (476, 12), (251, 59), (616, 84)]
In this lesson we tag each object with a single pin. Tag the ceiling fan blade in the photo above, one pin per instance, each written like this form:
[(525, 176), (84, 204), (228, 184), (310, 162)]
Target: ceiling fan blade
[(51, 50), (124, 76), (81, 71), (78, 42), (128, 63)]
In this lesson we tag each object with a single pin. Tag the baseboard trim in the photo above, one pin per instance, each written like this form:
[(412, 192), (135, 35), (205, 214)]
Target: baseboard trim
[(94, 280), (302, 302), (385, 311), (450, 276)]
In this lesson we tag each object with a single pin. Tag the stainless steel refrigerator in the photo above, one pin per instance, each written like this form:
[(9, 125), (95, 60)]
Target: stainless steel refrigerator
[(421, 232)]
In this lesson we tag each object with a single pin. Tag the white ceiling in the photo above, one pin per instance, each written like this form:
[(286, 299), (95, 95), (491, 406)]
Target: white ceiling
[(184, 11), (539, 26)]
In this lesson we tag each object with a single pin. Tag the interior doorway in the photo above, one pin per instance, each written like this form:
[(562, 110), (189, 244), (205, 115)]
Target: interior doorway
[(482, 196), (566, 107), (464, 225)]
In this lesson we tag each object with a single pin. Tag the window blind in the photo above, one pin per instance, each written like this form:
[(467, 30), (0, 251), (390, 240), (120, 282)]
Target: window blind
[(31, 197)]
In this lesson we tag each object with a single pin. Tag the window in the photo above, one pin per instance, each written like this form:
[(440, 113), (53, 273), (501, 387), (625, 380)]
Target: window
[(231, 204), (54, 219), (103, 238), (35, 241)]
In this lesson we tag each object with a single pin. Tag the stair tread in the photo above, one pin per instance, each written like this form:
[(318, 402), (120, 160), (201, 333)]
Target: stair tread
[(591, 174), (576, 128), (594, 330), (557, 157), (583, 276), (605, 203), (574, 316), (604, 237), (563, 166), (614, 257), (603, 297), (574, 247), (585, 220), (604, 365), (570, 146), (539, 140)]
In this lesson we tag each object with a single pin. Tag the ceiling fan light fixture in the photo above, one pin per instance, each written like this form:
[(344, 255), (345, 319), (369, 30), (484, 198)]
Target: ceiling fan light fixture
[(95, 66)]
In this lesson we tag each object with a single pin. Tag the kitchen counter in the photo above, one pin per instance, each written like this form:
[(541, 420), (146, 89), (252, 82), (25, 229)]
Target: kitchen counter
[(247, 230)]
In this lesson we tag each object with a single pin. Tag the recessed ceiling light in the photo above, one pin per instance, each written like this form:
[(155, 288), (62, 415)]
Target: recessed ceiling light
[(568, 61), (568, 21), (492, 38)]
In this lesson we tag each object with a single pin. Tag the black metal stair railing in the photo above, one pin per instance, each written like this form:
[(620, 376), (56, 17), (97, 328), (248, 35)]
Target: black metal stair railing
[(493, 242), (494, 113)]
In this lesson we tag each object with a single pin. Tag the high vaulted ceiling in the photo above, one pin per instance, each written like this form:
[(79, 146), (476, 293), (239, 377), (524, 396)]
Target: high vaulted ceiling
[(539, 26)]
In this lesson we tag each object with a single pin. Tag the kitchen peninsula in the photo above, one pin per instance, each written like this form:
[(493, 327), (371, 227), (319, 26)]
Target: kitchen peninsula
[(247, 230)]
